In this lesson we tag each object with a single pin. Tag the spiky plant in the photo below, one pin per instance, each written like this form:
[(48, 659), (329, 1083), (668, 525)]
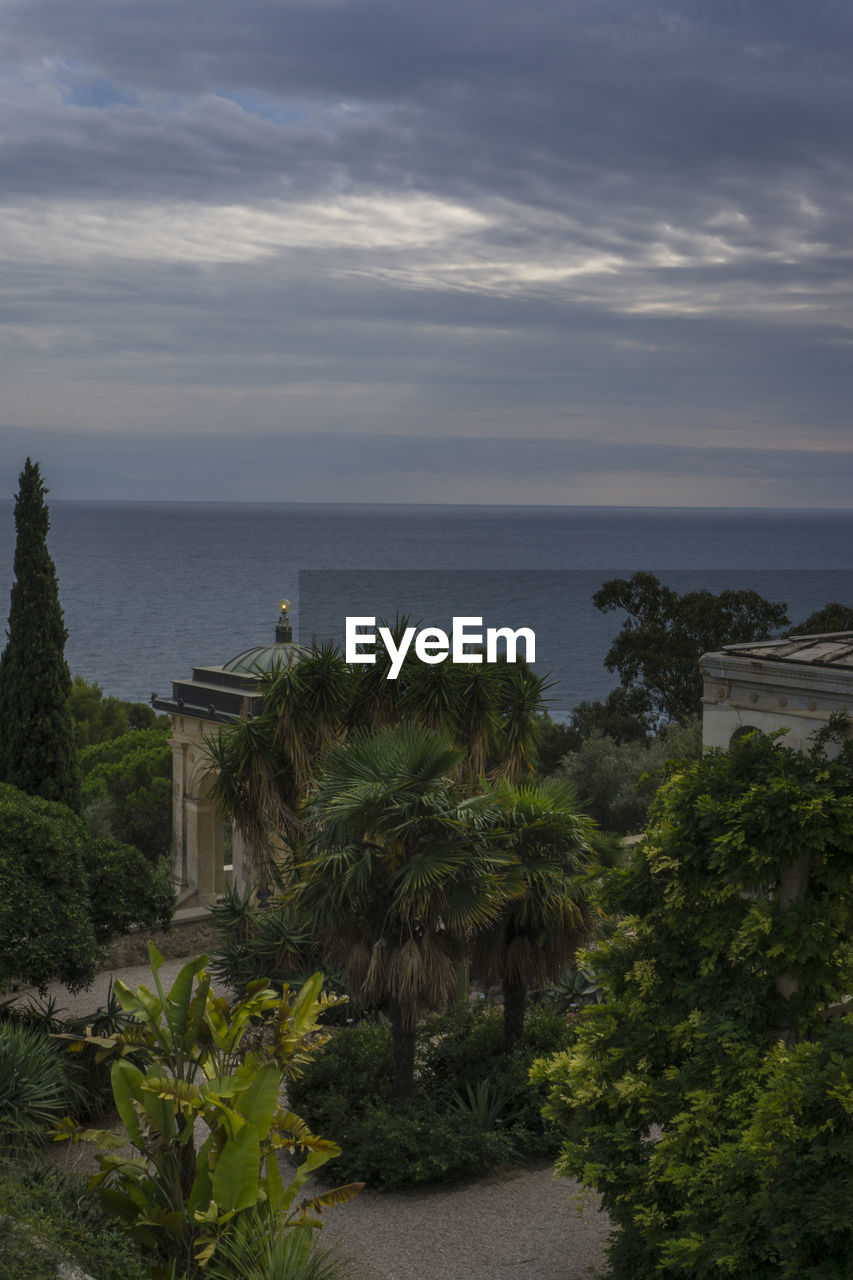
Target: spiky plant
[(268, 1253), (35, 1086)]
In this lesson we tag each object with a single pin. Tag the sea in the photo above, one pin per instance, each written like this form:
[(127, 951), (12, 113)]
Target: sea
[(150, 590)]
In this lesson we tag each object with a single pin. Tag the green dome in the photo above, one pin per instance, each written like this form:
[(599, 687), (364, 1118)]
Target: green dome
[(262, 658)]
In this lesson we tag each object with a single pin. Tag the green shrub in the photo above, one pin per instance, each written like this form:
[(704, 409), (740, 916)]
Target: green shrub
[(98, 718), (733, 935), (404, 1145), (616, 781), (440, 1135), (63, 896), (267, 941), (272, 1254), (45, 918), (127, 890), (48, 1219), (36, 1087)]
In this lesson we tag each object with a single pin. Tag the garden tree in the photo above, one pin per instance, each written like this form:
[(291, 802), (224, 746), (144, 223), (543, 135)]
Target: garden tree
[(546, 913), (127, 789), (714, 1036), (261, 769), (833, 617), (98, 718), (36, 733), (615, 782), (395, 874), (64, 896), (659, 645)]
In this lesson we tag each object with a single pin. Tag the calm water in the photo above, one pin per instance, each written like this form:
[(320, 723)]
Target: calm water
[(150, 589)]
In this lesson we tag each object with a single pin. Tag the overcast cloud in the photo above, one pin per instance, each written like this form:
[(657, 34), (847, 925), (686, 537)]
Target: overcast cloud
[(377, 250)]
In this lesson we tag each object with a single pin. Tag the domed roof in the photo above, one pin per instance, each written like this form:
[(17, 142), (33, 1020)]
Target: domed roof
[(263, 658)]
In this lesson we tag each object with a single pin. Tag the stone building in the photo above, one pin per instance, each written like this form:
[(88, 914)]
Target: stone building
[(793, 684), (207, 852)]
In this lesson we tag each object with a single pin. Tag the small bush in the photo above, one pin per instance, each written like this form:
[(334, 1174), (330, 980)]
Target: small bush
[(127, 890), (64, 895), (389, 1146), (475, 1106), (36, 1087), (616, 781)]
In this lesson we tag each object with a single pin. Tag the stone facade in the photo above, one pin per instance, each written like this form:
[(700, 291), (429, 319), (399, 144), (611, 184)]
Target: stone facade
[(201, 866), (794, 684)]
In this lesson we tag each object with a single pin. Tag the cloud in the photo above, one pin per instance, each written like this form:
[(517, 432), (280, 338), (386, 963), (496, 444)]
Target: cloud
[(576, 219)]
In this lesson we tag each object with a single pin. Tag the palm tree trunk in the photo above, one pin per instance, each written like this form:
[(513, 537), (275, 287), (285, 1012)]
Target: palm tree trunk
[(402, 1053), (515, 999)]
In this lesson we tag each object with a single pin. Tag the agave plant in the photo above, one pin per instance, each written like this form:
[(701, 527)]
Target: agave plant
[(485, 1100)]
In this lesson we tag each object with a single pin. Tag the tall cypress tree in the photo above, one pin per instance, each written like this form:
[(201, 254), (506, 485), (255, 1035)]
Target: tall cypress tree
[(37, 752)]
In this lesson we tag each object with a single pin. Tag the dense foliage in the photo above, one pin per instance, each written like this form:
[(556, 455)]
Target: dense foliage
[(832, 617), (127, 789), (98, 717), (476, 1107), (709, 1098), (36, 733), (615, 782), (62, 895)]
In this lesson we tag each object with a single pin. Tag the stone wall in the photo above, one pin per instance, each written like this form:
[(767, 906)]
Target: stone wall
[(191, 933)]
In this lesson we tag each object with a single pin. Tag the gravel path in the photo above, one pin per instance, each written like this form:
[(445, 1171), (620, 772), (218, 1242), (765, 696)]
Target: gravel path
[(521, 1224)]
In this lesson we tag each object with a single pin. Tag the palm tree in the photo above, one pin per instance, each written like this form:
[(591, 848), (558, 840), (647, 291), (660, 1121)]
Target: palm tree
[(262, 769), (396, 873), (546, 914)]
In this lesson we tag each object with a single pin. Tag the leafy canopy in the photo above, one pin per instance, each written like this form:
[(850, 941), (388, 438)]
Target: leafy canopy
[(98, 718), (127, 789), (680, 1092), (64, 895)]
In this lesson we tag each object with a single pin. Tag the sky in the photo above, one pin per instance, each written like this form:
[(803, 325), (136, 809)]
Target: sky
[(584, 252)]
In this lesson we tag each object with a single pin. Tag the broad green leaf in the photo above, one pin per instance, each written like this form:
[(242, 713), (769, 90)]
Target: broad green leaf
[(237, 1176), (258, 1102), (126, 1080)]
